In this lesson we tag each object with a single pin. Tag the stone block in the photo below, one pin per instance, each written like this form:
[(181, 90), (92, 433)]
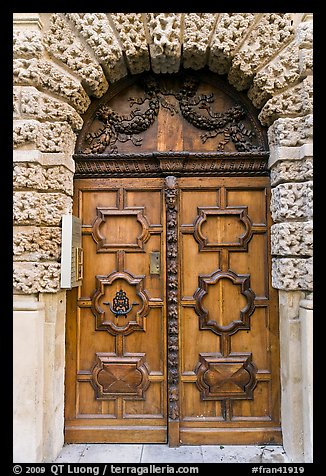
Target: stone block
[(292, 201), (34, 208), (291, 375), (32, 278), (295, 101), (292, 274), (131, 30), (63, 44), (28, 383), (33, 243), (36, 177), (198, 29), (306, 320), (165, 46), (291, 132), (291, 171), (230, 30), (292, 239)]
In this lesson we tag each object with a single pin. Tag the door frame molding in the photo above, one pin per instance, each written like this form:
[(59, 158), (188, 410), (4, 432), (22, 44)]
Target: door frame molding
[(160, 164)]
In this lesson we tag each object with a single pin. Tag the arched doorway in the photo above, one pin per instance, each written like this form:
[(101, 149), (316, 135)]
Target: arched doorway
[(173, 335)]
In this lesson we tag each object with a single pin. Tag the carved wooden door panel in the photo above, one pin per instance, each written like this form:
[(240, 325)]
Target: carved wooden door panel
[(228, 335), (174, 332), (116, 338)]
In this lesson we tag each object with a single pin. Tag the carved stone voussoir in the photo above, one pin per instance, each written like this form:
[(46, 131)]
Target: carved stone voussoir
[(96, 30), (271, 33), (230, 30), (30, 278), (295, 101), (292, 201), (292, 274), (32, 104), (281, 72), (165, 46), (27, 44), (132, 34), (48, 76), (65, 45), (198, 28)]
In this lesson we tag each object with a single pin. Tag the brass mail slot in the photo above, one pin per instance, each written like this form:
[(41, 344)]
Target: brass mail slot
[(155, 262)]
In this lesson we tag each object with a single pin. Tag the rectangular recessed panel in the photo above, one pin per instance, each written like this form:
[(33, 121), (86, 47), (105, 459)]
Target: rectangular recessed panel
[(97, 198), (255, 200), (192, 199)]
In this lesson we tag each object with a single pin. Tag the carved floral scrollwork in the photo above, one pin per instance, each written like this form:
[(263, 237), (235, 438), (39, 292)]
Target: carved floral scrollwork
[(127, 127), (171, 193)]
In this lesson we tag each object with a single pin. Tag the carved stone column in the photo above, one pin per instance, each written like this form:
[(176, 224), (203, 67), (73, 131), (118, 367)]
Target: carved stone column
[(171, 201)]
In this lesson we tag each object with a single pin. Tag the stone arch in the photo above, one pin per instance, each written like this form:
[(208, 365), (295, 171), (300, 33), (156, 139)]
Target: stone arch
[(63, 60)]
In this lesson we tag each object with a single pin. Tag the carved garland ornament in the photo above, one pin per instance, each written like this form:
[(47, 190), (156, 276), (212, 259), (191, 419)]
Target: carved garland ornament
[(171, 192), (123, 128)]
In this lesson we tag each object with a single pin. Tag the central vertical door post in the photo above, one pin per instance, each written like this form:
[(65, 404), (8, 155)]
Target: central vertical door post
[(171, 203)]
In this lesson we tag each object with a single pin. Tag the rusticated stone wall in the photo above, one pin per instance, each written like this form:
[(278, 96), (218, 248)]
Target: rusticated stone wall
[(61, 62), (64, 59)]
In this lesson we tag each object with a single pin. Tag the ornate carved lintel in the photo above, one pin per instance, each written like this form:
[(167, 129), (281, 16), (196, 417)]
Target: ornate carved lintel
[(185, 163)]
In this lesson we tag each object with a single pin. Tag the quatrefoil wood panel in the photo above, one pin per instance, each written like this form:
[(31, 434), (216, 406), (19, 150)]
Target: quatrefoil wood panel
[(205, 319), (120, 376), (104, 214), (220, 377), (105, 319), (239, 243)]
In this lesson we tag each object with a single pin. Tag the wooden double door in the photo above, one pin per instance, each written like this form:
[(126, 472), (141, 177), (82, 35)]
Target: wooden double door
[(173, 335)]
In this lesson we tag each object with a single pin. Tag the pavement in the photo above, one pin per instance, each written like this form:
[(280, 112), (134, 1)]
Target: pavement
[(134, 453)]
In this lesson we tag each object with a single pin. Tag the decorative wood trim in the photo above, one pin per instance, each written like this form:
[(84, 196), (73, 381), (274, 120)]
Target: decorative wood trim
[(103, 247), (158, 164), (226, 377), (115, 376), (102, 322), (203, 241), (171, 202), (243, 322)]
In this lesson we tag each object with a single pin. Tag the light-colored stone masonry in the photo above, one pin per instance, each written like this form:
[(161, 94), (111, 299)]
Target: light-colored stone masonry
[(63, 60)]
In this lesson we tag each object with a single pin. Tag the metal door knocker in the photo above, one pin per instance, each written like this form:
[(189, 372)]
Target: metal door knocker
[(121, 304)]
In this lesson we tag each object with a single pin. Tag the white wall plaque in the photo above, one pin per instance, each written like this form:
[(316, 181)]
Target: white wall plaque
[(71, 252)]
